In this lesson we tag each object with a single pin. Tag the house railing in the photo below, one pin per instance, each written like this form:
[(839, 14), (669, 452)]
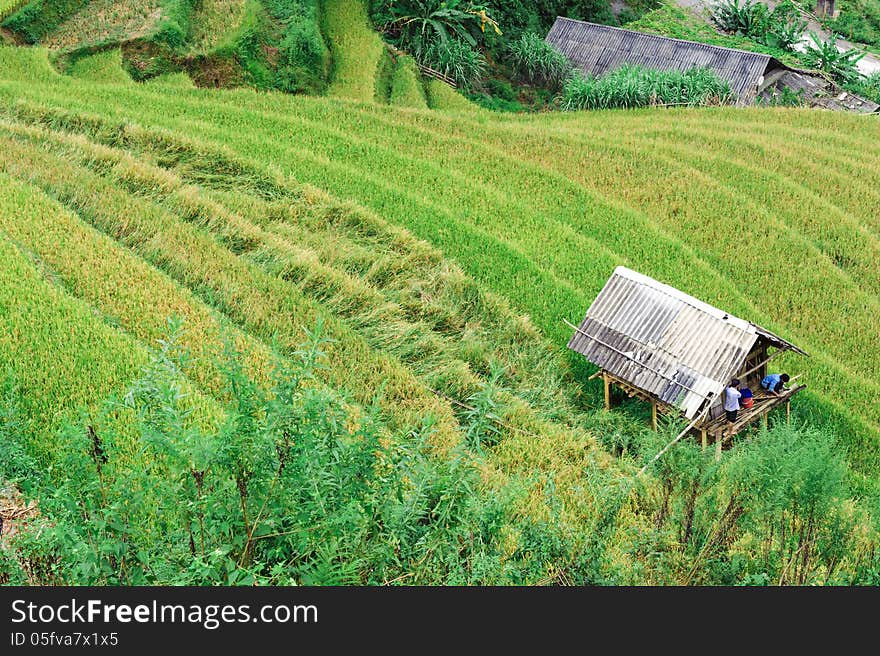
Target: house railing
[(437, 75), (427, 71)]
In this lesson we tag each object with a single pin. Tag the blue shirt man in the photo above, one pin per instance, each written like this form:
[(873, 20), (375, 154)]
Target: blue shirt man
[(775, 383)]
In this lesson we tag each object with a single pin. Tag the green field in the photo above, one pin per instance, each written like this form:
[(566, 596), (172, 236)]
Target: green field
[(437, 247)]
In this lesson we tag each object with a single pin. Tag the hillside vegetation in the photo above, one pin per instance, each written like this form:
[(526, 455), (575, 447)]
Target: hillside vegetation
[(400, 277)]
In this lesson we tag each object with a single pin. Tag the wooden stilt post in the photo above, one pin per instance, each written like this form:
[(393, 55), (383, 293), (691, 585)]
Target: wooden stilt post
[(607, 390), (719, 438), (788, 411), (705, 438), (764, 420), (654, 415)]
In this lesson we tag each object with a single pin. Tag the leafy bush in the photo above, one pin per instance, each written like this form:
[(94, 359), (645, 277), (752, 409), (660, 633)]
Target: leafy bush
[(780, 28), (457, 59), (537, 61), (518, 16), (302, 61), (868, 87), (296, 487), (859, 20), (824, 56), (633, 86), (417, 25)]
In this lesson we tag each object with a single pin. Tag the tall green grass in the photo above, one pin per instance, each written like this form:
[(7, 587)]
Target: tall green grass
[(633, 86)]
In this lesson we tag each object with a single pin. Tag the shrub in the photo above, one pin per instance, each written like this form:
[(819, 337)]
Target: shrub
[(633, 86), (417, 25), (174, 28), (868, 87), (859, 20), (457, 59), (780, 28), (537, 61), (787, 97), (304, 57)]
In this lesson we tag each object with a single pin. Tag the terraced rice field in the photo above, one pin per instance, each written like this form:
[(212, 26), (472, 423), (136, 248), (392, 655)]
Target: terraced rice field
[(106, 20), (213, 20), (434, 243)]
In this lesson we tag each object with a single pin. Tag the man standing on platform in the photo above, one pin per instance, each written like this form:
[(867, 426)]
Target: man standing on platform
[(732, 396)]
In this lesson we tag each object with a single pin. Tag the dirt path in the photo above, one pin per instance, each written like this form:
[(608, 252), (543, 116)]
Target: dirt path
[(868, 65)]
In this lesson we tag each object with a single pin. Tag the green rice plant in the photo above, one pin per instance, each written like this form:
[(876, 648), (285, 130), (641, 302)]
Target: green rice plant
[(173, 80), (357, 50), (261, 308), (406, 85), (103, 66), (629, 87), (444, 98), (128, 293), (21, 63), (62, 364), (9, 7), (106, 21), (213, 21), (241, 200), (480, 258)]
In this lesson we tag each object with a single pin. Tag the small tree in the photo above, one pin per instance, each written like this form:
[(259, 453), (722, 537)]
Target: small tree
[(827, 57)]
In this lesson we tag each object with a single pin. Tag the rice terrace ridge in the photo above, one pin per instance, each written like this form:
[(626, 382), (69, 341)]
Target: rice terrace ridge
[(284, 292)]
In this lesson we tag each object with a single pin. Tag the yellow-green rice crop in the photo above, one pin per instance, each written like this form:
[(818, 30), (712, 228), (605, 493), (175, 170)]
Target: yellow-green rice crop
[(103, 66), (437, 247), (356, 48)]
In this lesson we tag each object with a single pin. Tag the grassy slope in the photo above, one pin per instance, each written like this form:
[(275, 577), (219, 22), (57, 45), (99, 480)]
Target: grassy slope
[(213, 20), (673, 21), (406, 85), (357, 50)]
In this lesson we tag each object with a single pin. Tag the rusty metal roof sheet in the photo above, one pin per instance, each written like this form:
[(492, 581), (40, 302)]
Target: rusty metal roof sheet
[(664, 341), (599, 49)]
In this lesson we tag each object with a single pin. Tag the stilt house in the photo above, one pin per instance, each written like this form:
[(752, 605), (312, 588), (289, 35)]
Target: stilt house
[(678, 353)]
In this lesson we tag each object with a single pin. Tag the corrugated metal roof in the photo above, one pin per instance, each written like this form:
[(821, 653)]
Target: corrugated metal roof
[(664, 341), (599, 49)]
